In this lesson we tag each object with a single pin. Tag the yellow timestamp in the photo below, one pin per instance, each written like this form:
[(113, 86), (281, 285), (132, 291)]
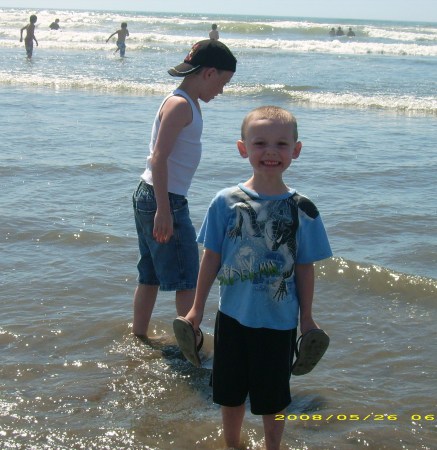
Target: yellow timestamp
[(372, 417)]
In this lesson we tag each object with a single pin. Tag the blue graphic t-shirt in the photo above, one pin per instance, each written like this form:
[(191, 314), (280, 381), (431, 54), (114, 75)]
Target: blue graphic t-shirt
[(260, 239)]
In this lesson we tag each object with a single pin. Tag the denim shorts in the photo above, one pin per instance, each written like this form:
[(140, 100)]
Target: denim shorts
[(173, 266)]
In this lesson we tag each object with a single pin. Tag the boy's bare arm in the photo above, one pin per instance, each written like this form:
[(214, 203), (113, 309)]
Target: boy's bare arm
[(305, 291), (21, 32), (113, 34), (175, 115), (209, 268)]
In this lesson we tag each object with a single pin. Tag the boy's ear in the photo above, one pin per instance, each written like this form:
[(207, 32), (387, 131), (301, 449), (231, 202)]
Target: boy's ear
[(242, 148), (297, 149), (208, 71)]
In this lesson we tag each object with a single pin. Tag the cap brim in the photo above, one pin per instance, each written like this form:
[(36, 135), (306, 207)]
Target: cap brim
[(182, 70)]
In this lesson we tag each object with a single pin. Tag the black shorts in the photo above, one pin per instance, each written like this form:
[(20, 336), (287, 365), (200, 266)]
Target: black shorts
[(254, 361)]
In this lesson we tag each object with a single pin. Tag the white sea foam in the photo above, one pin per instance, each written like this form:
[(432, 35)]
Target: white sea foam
[(97, 41), (337, 46), (403, 104), (157, 39), (85, 83), (407, 34)]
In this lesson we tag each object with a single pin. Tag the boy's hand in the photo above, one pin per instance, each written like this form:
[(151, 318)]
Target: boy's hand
[(163, 227), (21, 39), (307, 324), (195, 317)]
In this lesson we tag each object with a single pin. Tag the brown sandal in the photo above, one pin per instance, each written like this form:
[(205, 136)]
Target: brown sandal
[(187, 340)]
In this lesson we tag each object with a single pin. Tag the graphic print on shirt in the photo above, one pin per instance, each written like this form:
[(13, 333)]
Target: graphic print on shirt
[(265, 236)]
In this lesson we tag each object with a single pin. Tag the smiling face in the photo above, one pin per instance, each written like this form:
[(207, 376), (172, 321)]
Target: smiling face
[(270, 145)]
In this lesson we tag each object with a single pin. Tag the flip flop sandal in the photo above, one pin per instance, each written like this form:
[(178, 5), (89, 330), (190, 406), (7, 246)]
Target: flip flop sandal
[(186, 337), (310, 348)]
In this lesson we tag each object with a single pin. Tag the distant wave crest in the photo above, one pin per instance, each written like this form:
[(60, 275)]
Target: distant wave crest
[(142, 41), (303, 94)]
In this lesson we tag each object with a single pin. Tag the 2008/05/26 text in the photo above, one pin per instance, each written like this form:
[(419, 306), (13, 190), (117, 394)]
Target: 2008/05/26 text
[(355, 417)]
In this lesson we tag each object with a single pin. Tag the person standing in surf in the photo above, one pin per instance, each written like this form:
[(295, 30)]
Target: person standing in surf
[(122, 33), (261, 240), (30, 35), (169, 256), (214, 34)]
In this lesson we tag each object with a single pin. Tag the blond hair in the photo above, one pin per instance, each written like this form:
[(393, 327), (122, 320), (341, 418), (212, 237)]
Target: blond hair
[(270, 113)]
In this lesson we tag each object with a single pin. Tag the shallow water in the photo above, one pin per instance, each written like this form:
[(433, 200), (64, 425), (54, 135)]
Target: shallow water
[(74, 132)]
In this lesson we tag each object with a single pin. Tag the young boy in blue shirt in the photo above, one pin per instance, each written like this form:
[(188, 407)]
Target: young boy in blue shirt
[(261, 239)]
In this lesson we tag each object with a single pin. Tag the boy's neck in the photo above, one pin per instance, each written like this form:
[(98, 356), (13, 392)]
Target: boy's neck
[(267, 186), (191, 88)]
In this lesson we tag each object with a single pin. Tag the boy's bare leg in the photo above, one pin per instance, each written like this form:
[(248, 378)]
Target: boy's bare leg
[(144, 301), (232, 417), (184, 301), (273, 430)]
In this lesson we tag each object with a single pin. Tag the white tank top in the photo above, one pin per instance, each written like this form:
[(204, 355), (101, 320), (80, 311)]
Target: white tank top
[(185, 156)]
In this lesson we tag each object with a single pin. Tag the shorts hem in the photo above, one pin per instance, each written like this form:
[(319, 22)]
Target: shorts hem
[(271, 411), (255, 412), (146, 283), (177, 287), (169, 287)]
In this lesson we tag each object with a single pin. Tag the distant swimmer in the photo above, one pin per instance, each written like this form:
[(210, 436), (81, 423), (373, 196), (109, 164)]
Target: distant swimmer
[(339, 32), (332, 32), (214, 34), (350, 33), (30, 35), (122, 34), (54, 25)]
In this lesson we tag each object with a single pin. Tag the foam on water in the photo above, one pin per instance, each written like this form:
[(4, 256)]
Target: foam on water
[(97, 41), (402, 104)]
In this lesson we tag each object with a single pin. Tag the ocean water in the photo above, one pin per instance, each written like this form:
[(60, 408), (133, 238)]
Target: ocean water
[(74, 130)]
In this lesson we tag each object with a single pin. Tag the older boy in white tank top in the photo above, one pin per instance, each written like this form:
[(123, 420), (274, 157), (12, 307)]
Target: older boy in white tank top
[(167, 239)]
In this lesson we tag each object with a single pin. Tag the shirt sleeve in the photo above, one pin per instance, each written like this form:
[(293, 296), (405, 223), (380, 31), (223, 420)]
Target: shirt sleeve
[(213, 230), (312, 240)]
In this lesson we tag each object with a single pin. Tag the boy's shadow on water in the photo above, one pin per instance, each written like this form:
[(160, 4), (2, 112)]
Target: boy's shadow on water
[(307, 404), (197, 377), (173, 355)]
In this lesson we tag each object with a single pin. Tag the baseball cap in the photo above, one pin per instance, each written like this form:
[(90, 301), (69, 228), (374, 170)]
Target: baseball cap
[(207, 53)]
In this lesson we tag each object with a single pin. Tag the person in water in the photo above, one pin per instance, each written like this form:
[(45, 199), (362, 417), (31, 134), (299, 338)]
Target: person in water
[(261, 239), (122, 33), (169, 255), (214, 34), (54, 25), (30, 35)]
